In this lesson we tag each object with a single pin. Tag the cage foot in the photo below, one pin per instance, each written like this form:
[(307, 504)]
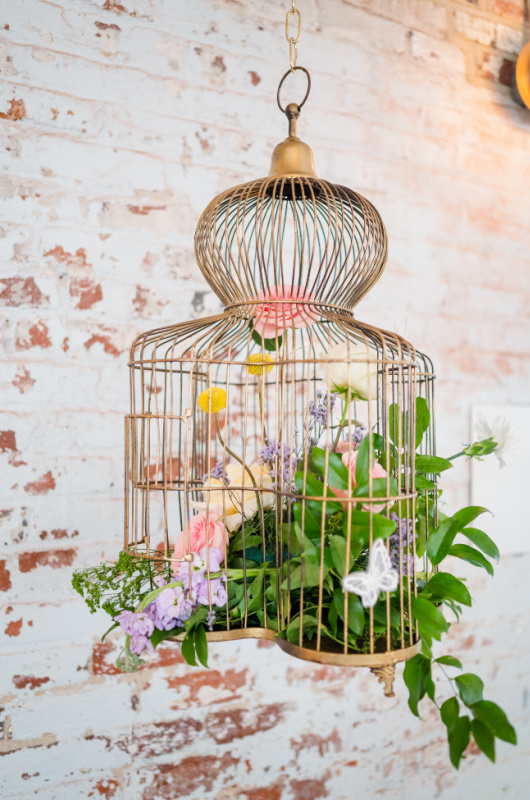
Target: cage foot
[(385, 675)]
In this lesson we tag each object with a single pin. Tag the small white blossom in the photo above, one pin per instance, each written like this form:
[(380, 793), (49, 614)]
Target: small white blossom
[(502, 432)]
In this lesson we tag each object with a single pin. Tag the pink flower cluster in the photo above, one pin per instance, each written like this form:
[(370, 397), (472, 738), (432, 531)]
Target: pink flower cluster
[(282, 308)]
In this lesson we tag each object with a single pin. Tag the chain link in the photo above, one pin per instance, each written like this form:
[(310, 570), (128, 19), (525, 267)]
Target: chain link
[(293, 40)]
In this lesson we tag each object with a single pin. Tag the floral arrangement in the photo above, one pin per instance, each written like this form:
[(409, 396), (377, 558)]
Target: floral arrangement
[(226, 571)]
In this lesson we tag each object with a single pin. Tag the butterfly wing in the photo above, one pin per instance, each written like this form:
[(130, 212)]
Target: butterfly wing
[(363, 585), (381, 569)]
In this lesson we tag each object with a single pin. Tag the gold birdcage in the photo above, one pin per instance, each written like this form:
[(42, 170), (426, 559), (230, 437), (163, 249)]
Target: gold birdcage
[(248, 394)]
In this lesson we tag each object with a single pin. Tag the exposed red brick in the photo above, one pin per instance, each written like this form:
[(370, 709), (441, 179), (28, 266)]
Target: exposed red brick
[(108, 345), (219, 64), (13, 628), (103, 26), (9, 609), (322, 743), (21, 292), (264, 793), (16, 112), (87, 291), (55, 113), (310, 789), (77, 259), (161, 738), (254, 77), (35, 336), (231, 681), (167, 656), (235, 723), (42, 486), (7, 441), (65, 346), (5, 577), (23, 380), (468, 643), (106, 788), (55, 559), (509, 8), (113, 5), (506, 71), (192, 775), (99, 665), (144, 210), (28, 681)]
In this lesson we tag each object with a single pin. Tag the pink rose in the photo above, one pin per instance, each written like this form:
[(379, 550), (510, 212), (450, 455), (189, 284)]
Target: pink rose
[(272, 318), (349, 459), (200, 530)]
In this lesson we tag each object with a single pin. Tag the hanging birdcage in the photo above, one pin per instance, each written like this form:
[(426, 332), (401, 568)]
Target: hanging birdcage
[(251, 424)]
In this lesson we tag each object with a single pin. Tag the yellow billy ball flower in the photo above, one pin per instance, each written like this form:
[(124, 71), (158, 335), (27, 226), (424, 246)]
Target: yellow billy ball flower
[(261, 362), (212, 400)]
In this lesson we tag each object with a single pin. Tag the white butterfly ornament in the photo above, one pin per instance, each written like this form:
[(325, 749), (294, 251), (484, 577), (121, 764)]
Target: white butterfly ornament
[(379, 577)]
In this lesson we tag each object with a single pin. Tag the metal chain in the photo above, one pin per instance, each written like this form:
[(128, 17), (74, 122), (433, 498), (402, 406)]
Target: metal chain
[(293, 40)]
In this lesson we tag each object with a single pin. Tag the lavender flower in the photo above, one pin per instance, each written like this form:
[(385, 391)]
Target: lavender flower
[(210, 619), (318, 408), (174, 603), (354, 439), (281, 461), (406, 534), (218, 472), (135, 624)]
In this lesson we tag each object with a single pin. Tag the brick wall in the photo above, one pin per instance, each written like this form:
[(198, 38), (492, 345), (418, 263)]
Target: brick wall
[(119, 121)]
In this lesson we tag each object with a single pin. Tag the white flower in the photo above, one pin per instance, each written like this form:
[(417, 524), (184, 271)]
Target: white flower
[(234, 505), (502, 432), (353, 367)]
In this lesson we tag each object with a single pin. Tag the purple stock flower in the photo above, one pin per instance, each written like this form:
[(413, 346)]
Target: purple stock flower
[(140, 643), (405, 534), (354, 439), (174, 603), (210, 619), (135, 624)]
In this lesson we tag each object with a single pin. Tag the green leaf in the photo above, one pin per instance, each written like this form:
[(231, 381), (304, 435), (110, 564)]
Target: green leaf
[(363, 467), (159, 636), (468, 514), (423, 418), (356, 613), (483, 738), (432, 464), (380, 488), (496, 720), (382, 528), (311, 525), (459, 738), (443, 585), (115, 625), (255, 592), (449, 712), (422, 484), (309, 626), (428, 616), (482, 541), (315, 488), (470, 688), (269, 344), (440, 540), (338, 475), (338, 553), (201, 645), (449, 661), (309, 573), (415, 673), (188, 650), (395, 424), (240, 542), (471, 555)]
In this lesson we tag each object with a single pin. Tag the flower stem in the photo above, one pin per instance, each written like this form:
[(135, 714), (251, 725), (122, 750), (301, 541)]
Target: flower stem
[(457, 455), (342, 423), (249, 473)]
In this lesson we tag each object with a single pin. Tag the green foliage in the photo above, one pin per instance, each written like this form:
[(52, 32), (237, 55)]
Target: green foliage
[(432, 464), (415, 675), (337, 475), (444, 586), (120, 585), (472, 556), (272, 345)]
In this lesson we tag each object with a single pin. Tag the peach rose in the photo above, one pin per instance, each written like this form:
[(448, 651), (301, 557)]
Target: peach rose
[(200, 530), (273, 318), (349, 459)]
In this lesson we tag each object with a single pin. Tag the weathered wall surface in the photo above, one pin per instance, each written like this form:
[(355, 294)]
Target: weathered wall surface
[(119, 121)]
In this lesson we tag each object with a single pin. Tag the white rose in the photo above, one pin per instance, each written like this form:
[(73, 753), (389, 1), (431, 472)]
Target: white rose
[(351, 365), (234, 506)]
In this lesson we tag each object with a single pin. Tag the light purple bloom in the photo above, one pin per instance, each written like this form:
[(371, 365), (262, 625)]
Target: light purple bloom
[(318, 408), (281, 461), (218, 472), (135, 624), (210, 619), (174, 603), (406, 534), (160, 581), (140, 643), (216, 591)]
